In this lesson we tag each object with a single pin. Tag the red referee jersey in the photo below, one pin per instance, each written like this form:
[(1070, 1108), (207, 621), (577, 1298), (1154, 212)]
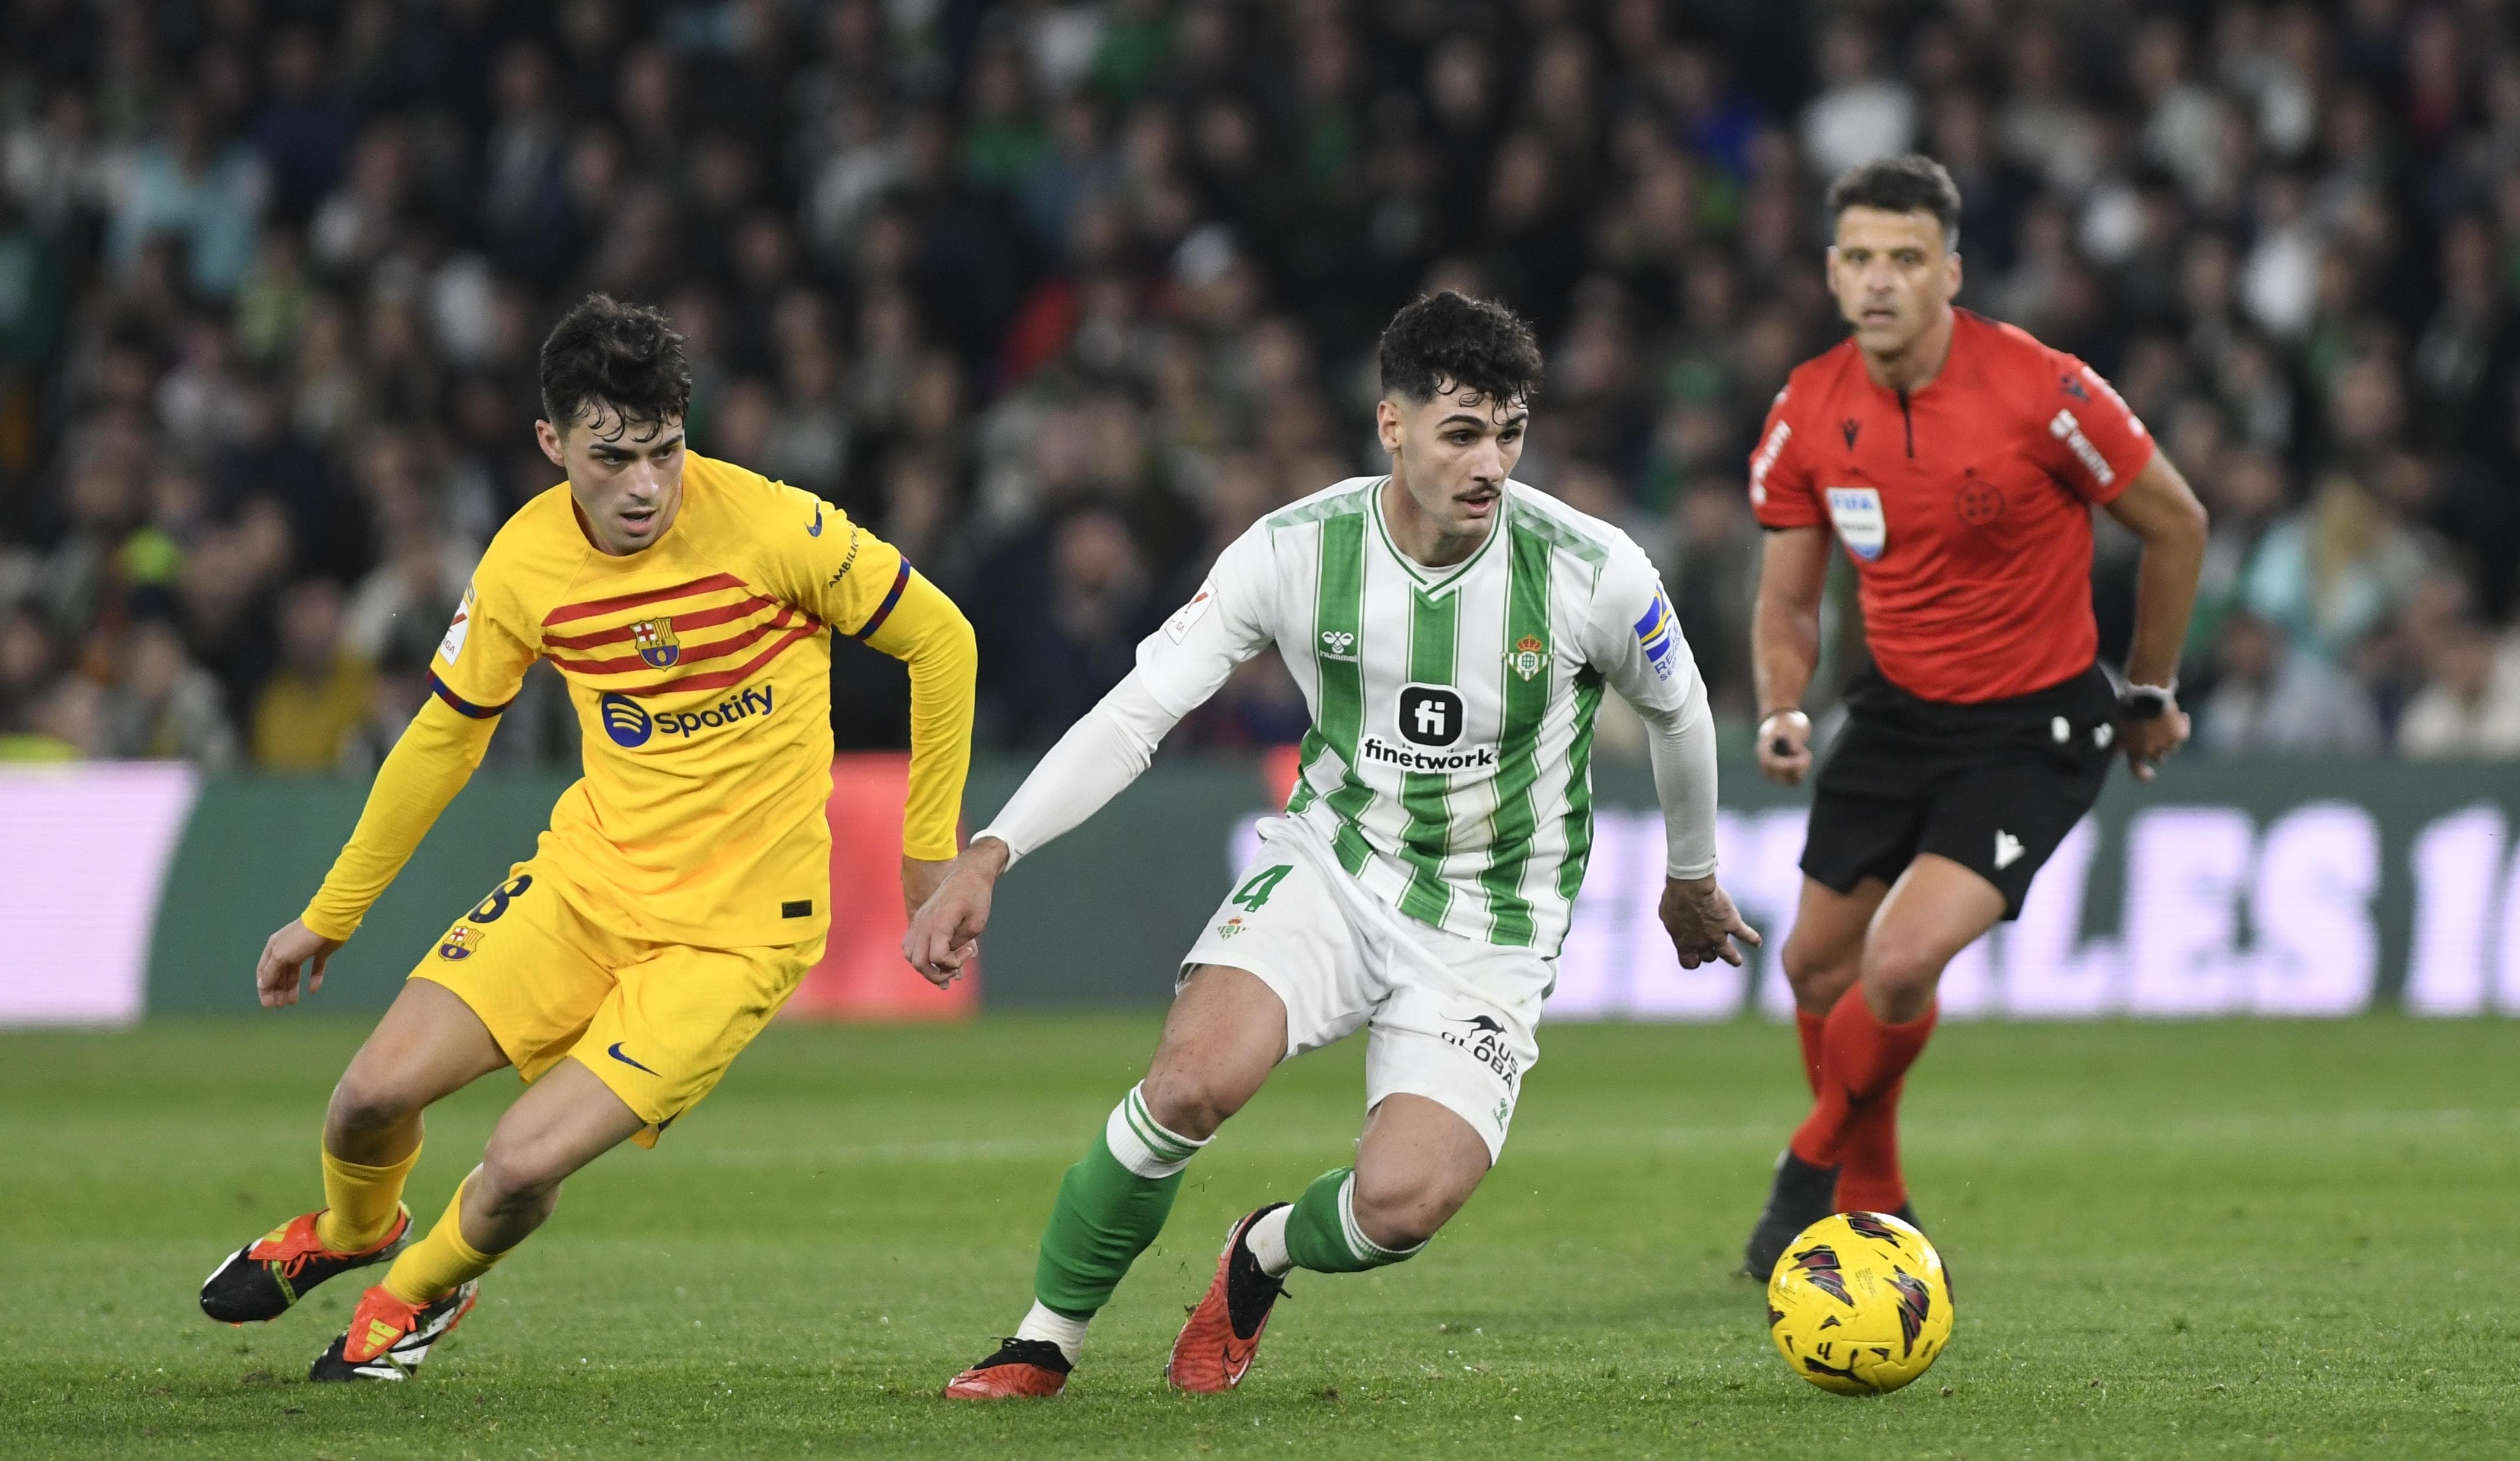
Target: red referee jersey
[(1965, 505)]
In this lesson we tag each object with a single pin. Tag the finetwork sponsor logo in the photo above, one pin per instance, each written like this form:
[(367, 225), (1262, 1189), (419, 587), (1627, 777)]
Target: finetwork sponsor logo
[(2064, 427), (630, 725), (1467, 758)]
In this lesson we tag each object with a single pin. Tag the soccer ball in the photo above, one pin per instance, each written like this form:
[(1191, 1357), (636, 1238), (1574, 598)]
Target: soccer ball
[(1858, 1305)]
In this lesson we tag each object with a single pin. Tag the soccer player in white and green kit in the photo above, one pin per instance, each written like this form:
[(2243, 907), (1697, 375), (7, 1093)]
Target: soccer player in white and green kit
[(1453, 632)]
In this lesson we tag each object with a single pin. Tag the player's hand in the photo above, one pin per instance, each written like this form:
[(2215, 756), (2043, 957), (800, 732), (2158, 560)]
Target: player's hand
[(2146, 741), (275, 978), (1784, 748), (945, 931), (1704, 923)]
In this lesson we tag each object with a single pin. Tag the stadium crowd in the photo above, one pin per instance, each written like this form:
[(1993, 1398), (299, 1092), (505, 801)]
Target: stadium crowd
[(1061, 296)]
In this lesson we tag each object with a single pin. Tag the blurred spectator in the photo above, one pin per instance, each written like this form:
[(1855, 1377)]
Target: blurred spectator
[(2269, 694), (200, 189), (1069, 603), (2471, 707), (61, 726), (320, 694), (164, 706), (396, 692), (1859, 114), (29, 655), (1003, 277)]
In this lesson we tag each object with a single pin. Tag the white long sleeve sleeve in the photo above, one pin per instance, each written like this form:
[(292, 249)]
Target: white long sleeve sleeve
[(1637, 645), (1106, 750), (1682, 749), (1179, 665)]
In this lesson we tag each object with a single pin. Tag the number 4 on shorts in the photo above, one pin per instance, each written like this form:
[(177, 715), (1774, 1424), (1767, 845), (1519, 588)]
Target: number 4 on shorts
[(1262, 883)]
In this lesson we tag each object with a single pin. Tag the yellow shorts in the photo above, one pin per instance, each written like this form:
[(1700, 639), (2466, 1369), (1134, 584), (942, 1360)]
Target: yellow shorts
[(657, 1022)]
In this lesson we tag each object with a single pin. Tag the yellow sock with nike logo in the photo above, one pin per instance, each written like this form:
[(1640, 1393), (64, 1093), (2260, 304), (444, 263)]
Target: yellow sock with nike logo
[(360, 1203), (430, 1269)]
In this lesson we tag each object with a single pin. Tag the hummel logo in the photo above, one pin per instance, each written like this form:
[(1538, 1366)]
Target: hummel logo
[(1338, 644), (2007, 849), (816, 529)]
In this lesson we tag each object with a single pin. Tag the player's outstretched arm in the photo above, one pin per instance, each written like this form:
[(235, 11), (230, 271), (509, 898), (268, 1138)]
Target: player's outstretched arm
[(925, 631), (1179, 666), (1110, 747), (1784, 646), (431, 761), (1695, 910), (2159, 508), (1645, 657)]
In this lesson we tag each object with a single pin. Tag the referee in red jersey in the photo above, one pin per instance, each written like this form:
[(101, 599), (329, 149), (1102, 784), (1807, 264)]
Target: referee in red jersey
[(1959, 461)]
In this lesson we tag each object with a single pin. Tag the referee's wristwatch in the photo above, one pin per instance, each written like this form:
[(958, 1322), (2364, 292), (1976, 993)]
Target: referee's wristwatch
[(2147, 702)]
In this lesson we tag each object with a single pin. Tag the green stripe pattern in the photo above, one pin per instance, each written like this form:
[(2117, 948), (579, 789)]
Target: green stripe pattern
[(1434, 624), (1578, 821), (1338, 645), (1526, 704)]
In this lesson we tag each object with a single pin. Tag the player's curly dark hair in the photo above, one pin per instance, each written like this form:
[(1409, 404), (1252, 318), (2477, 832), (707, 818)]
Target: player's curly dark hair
[(1438, 343), (1909, 183), (624, 358)]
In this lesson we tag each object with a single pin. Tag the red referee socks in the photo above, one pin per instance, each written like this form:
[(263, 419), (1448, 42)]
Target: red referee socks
[(1809, 1027), (1862, 1062), (1868, 1179)]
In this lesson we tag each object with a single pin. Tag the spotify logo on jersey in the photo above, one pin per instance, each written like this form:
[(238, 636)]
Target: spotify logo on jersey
[(631, 726), (1430, 715), (625, 720)]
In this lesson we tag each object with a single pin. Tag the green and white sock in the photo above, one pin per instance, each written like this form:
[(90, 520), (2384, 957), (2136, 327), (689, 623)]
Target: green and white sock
[(1110, 1206), (1321, 1233)]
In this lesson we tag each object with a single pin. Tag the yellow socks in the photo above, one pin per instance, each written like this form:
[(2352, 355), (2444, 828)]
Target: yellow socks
[(360, 1203), (430, 1269)]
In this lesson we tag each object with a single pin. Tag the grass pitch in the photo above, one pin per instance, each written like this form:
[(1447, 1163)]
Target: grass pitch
[(2229, 1240)]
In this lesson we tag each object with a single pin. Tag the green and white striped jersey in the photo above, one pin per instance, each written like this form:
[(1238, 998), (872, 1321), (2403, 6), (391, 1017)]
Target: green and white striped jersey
[(1449, 759)]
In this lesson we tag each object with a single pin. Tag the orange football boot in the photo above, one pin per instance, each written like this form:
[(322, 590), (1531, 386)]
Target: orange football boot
[(1217, 1346), (387, 1339), (1020, 1370)]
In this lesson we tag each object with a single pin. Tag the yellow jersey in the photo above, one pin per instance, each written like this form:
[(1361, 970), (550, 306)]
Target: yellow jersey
[(700, 671)]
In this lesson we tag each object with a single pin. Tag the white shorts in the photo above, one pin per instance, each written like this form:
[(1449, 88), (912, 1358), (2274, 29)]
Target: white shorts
[(1447, 1017)]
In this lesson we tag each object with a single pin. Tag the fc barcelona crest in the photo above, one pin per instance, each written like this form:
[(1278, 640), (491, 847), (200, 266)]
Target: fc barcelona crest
[(657, 643), (460, 942), (1528, 656)]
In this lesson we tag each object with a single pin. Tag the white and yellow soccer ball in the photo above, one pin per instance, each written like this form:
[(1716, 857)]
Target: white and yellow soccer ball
[(1858, 1305)]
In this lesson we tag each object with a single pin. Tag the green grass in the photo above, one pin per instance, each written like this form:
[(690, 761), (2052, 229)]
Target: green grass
[(2228, 1240)]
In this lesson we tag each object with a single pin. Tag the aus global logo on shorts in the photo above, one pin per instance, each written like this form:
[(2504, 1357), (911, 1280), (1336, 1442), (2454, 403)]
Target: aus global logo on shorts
[(631, 726), (1483, 1036)]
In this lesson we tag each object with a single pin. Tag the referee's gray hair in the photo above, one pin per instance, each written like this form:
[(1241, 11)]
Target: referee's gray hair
[(1908, 183)]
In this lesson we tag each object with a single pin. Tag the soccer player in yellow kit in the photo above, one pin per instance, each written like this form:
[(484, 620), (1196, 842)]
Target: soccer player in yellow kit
[(682, 890)]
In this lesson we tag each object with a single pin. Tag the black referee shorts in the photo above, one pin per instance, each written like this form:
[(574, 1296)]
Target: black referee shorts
[(1994, 787)]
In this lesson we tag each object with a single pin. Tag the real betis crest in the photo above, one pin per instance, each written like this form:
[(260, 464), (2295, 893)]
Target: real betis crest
[(657, 643), (1528, 656)]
